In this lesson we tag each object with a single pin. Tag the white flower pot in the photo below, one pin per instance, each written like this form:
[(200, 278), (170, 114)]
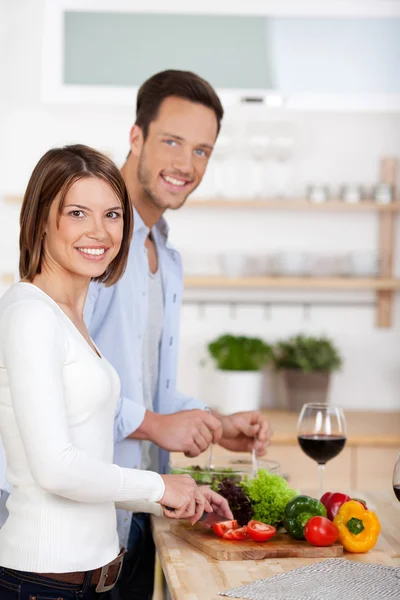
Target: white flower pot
[(236, 391)]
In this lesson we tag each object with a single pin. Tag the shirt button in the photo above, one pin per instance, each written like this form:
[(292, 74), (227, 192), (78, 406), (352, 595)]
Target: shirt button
[(139, 337), (143, 293), (171, 339)]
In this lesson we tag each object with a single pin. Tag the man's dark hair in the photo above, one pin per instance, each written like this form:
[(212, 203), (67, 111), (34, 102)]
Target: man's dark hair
[(178, 84)]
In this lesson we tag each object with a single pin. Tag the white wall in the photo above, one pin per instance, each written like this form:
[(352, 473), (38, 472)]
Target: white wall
[(334, 148)]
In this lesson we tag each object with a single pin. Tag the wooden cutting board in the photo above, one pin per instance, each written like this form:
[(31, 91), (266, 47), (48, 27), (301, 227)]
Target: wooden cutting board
[(280, 546)]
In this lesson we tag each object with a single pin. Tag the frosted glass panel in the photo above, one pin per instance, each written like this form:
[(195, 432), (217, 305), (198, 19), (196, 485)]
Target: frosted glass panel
[(124, 49), (336, 55)]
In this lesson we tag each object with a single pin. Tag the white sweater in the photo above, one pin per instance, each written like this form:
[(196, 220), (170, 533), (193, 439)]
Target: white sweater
[(57, 405)]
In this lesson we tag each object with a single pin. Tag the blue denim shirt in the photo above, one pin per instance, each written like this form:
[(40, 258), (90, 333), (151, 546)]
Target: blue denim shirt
[(117, 318)]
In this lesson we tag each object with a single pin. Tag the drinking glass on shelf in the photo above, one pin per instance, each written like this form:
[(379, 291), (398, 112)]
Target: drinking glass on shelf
[(321, 432), (222, 169), (258, 146), (396, 478)]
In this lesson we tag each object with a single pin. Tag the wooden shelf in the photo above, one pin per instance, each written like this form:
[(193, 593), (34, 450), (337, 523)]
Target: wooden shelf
[(300, 204), (295, 204), (340, 283), (7, 279), (14, 199)]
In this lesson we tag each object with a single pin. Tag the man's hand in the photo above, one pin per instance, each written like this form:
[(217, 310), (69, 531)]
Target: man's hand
[(182, 498), (220, 506), (188, 431), (241, 431)]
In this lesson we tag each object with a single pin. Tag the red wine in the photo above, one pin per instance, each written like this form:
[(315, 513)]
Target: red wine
[(322, 447), (396, 489)]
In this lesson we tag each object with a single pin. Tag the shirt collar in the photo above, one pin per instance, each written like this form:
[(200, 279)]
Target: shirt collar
[(138, 223), (161, 225)]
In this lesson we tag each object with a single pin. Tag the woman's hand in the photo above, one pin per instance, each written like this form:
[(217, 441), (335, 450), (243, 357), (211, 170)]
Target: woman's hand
[(220, 506), (182, 498)]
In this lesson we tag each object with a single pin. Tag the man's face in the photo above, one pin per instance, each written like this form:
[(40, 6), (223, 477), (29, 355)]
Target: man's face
[(174, 157)]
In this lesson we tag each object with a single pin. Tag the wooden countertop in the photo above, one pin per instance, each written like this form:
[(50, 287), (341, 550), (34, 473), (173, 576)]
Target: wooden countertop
[(192, 575), (378, 429)]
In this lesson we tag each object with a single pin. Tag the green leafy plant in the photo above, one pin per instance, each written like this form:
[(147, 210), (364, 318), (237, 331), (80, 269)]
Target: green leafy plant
[(269, 494), (239, 353), (307, 354)]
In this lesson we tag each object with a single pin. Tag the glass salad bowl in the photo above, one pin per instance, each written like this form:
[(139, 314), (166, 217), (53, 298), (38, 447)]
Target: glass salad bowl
[(235, 468)]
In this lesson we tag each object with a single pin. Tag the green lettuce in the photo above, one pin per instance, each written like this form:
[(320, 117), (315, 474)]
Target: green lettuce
[(269, 494)]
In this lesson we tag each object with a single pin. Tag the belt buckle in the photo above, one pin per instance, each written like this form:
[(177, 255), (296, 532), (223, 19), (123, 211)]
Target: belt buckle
[(101, 586)]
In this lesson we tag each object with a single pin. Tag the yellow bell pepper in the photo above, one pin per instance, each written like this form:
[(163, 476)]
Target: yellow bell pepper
[(359, 528)]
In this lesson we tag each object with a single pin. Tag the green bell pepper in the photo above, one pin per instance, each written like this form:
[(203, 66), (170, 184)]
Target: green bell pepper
[(300, 510)]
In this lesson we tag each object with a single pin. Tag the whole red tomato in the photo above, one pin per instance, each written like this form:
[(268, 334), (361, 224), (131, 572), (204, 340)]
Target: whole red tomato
[(320, 531)]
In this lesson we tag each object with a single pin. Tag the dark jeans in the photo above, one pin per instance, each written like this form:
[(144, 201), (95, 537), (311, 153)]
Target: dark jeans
[(18, 585), (136, 581)]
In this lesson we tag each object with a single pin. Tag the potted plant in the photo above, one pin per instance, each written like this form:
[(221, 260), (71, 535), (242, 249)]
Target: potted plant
[(306, 363), (240, 362)]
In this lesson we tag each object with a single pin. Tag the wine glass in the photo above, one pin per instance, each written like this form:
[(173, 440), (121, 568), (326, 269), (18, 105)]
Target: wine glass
[(321, 432), (396, 478)]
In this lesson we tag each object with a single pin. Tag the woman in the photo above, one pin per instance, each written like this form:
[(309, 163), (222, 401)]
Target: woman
[(58, 394)]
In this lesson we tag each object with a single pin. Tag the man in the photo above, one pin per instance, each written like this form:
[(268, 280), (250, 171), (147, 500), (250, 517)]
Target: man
[(136, 322)]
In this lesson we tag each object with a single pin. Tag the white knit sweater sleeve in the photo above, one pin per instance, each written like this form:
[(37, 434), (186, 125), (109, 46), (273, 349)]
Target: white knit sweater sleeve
[(32, 349), (141, 506)]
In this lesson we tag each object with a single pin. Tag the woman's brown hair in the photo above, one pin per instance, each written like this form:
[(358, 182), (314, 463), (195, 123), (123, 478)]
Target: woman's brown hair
[(52, 177)]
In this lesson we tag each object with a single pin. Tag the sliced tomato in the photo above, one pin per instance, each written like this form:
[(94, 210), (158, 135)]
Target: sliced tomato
[(224, 526), (260, 532), (236, 534), (320, 531), (228, 535)]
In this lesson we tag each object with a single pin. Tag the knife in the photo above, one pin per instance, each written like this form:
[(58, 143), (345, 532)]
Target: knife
[(202, 518)]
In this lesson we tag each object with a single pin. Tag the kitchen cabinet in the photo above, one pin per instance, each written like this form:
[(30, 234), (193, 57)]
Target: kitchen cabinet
[(374, 467), (100, 52), (302, 472)]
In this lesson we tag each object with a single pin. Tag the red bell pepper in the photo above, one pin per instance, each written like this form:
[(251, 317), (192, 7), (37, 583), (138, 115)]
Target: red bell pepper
[(334, 500)]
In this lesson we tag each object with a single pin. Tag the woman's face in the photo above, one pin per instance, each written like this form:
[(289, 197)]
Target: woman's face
[(89, 233)]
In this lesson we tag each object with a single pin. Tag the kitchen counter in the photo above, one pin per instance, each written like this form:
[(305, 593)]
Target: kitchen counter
[(377, 429), (192, 575)]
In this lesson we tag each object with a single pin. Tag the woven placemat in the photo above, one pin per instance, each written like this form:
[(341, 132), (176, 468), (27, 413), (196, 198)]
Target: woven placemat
[(331, 579)]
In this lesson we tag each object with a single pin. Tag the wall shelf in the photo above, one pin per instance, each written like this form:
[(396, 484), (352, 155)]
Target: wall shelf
[(7, 279), (318, 283), (384, 285), (13, 199), (300, 204), (295, 204)]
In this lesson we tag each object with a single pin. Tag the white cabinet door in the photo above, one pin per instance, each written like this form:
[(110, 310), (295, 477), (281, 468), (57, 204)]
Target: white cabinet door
[(308, 58)]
